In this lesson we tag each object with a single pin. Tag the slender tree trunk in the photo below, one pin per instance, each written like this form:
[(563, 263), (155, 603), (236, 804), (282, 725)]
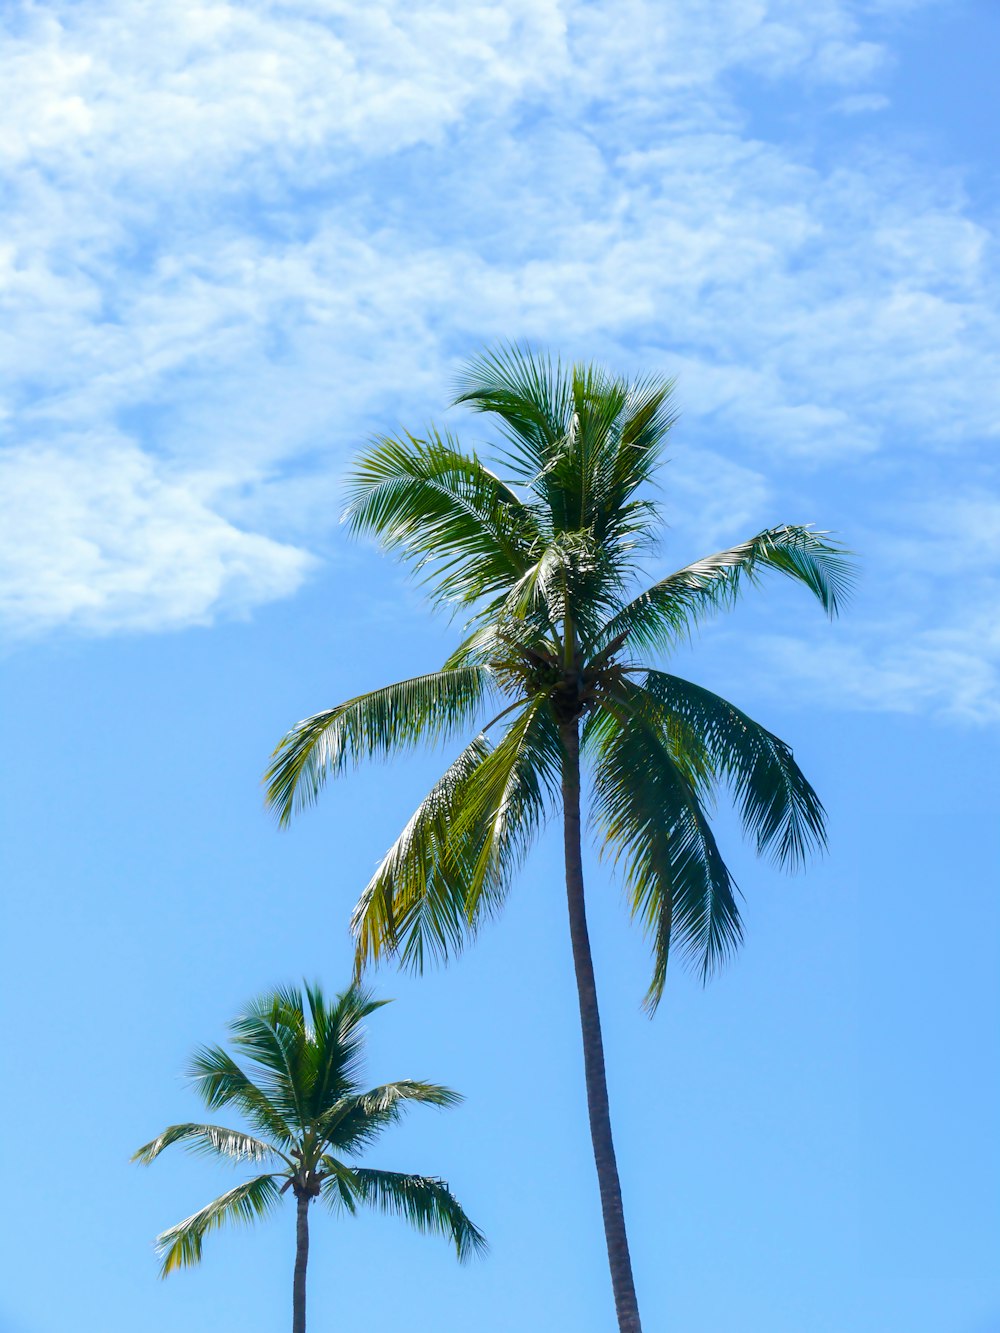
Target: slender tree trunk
[(301, 1259), (593, 1046)]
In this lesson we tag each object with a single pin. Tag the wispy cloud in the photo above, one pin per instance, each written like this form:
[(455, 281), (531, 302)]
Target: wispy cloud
[(102, 539), (239, 236)]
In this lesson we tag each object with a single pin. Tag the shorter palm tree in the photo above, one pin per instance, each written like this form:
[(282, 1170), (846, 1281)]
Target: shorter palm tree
[(301, 1095)]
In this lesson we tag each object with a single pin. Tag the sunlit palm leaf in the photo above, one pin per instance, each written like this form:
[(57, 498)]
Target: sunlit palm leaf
[(414, 904), (465, 531), (211, 1140), (671, 608), (180, 1246), (338, 1041), (529, 394), (371, 726), (356, 1121)]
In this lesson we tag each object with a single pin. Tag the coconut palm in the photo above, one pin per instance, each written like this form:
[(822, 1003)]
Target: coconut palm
[(543, 562), (300, 1094)]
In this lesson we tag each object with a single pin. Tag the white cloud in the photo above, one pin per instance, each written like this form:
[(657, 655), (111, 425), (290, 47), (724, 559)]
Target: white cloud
[(239, 237), (97, 539)]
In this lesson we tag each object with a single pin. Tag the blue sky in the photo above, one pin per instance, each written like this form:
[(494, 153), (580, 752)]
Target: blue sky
[(237, 240)]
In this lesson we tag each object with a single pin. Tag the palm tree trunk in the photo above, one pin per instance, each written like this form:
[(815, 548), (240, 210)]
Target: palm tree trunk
[(301, 1259), (593, 1047)]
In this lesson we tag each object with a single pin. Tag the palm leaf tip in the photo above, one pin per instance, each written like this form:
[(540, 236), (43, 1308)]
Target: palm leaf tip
[(375, 725), (180, 1246), (425, 1202)]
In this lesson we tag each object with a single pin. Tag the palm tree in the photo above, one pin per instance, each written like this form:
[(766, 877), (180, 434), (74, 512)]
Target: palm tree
[(300, 1093), (544, 565)]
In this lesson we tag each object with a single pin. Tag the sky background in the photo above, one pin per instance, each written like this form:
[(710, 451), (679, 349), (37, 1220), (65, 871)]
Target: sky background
[(238, 239)]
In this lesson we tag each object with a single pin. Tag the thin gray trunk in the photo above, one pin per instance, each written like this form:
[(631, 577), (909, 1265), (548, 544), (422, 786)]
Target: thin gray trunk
[(619, 1260), (301, 1259)]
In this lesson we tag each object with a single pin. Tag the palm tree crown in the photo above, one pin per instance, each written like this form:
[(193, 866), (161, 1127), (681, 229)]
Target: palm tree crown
[(545, 565), (298, 1089)]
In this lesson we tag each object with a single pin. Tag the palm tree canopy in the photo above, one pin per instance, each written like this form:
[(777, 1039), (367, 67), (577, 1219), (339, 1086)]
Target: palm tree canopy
[(296, 1081), (541, 557)]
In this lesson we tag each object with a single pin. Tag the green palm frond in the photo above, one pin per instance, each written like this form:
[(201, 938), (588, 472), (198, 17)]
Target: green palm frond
[(671, 608), (575, 581), (222, 1082), (425, 1202), (453, 862), (371, 726), (414, 904), (180, 1245), (379, 1099), (354, 1122), (465, 531), (581, 439), (273, 1034), (337, 1187), (506, 804), (656, 829), (780, 809), (211, 1140), (528, 393), (338, 1038)]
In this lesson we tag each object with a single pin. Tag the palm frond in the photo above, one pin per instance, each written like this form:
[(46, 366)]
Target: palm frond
[(222, 1082), (374, 725), (505, 806), (338, 1042), (780, 809), (654, 825), (529, 394), (454, 860), (414, 905), (337, 1187), (355, 1122), (272, 1031), (672, 607), (425, 1202), (465, 531), (212, 1140), (180, 1246)]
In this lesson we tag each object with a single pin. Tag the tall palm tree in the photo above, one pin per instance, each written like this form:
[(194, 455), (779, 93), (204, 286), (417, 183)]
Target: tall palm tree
[(544, 565), (300, 1093)]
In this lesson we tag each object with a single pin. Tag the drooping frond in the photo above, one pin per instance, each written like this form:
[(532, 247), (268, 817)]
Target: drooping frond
[(653, 823), (211, 1140), (180, 1246), (504, 808), (464, 530), (371, 726), (426, 1203), (671, 608), (337, 1188), (780, 810), (455, 858), (414, 904)]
